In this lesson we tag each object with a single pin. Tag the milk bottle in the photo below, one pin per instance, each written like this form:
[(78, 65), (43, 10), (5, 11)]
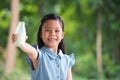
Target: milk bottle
[(20, 34)]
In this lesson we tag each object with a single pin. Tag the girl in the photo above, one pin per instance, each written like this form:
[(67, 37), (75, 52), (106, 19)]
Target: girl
[(47, 59)]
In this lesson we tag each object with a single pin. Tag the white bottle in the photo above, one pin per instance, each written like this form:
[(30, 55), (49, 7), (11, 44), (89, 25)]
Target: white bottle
[(20, 34)]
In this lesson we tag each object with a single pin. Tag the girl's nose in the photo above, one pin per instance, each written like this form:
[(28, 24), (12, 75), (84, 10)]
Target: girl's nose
[(52, 32)]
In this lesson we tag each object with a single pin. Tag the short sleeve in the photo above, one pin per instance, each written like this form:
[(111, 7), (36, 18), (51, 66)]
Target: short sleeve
[(29, 62), (72, 60)]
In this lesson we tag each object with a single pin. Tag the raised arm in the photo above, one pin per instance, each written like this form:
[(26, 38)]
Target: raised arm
[(29, 50)]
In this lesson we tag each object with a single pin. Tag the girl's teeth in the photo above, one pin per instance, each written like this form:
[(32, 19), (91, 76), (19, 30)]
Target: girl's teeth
[(52, 39)]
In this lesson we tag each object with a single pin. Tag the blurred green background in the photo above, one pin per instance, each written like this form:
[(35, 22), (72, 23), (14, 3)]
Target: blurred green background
[(84, 21)]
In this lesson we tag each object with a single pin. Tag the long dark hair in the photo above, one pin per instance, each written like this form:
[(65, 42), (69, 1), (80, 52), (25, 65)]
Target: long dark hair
[(44, 19)]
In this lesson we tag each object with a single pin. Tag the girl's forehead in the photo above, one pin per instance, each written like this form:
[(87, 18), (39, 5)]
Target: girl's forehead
[(52, 24)]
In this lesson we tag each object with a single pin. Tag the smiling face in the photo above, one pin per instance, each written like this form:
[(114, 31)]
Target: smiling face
[(52, 33)]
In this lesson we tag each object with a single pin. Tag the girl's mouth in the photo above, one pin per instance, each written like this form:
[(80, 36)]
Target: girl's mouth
[(52, 39)]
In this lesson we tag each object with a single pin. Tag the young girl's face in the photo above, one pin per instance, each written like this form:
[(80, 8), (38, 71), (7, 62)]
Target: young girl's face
[(52, 33)]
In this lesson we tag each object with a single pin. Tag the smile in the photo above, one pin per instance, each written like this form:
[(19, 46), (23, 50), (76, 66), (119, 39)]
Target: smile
[(52, 39)]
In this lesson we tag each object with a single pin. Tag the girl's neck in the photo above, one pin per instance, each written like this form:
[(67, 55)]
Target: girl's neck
[(54, 50)]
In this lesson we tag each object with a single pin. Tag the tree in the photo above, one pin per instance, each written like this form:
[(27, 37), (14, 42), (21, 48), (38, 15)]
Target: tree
[(99, 40), (11, 49), (112, 17)]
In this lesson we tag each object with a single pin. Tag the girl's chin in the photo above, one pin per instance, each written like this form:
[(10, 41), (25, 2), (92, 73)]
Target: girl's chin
[(52, 46)]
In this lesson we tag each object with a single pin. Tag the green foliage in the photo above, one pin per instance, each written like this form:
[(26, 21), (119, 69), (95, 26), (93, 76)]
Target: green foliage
[(111, 70), (4, 4), (86, 66), (4, 24), (16, 75)]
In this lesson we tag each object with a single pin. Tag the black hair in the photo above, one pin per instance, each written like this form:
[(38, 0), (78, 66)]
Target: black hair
[(44, 19)]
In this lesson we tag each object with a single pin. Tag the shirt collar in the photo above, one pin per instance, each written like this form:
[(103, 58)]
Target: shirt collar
[(51, 54)]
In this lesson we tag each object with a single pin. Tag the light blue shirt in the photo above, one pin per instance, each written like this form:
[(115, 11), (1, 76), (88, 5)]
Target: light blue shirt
[(51, 66)]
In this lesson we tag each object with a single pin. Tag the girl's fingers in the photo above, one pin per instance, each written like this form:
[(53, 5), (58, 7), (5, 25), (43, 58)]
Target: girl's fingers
[(13, 38)]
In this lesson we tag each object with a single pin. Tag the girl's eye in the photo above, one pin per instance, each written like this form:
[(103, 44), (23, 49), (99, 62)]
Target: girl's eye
[(57, 30), (47, 30)]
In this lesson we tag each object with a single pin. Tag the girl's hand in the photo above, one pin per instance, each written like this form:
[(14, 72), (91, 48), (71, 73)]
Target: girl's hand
[(14, 37)]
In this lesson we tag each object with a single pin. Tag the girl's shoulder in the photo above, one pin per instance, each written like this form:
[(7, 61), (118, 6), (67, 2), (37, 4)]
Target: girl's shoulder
[(70, 59)]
